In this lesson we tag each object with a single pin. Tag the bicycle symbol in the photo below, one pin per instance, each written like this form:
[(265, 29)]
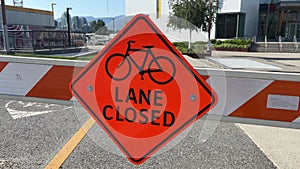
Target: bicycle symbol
[(161, 69)]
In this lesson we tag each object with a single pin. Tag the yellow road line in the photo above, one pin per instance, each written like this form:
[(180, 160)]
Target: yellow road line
[(68, 148)]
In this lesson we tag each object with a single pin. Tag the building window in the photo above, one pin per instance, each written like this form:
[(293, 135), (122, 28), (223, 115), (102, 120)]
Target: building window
[(267, 21), (230, 25), (279, 18)]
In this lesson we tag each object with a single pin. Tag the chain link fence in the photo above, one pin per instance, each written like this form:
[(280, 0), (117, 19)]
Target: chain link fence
[(43, 40)]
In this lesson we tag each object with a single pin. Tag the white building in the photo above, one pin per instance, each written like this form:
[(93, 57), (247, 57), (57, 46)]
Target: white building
[(236, 18)]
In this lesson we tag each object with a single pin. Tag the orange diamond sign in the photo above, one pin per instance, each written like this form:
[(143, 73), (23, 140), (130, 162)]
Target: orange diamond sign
[(141, 90)]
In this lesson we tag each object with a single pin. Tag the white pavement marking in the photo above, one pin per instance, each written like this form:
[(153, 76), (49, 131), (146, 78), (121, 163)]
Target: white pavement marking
[(30, 109), (16, 114), (281, 145)]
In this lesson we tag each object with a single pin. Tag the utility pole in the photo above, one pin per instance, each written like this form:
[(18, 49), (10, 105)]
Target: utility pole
[(68, 25), (4, 27), (52, 5)]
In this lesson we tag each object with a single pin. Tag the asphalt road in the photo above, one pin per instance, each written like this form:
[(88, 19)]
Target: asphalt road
[(32, 141)]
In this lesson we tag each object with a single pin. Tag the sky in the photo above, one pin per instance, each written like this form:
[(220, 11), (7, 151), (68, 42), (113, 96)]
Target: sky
[(96, 8)]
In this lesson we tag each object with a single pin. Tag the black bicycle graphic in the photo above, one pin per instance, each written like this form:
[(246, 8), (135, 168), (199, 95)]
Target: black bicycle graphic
[(119, 66)]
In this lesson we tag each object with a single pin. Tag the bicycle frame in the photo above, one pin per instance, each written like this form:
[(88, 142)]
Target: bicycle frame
[(148, 52), (155, 64)]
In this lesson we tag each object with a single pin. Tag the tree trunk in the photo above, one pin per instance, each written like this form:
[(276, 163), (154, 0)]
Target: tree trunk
[(190, 40), (209, 26)]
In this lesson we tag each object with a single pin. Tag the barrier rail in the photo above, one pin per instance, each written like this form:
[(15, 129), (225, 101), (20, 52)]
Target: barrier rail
[(267, 98)]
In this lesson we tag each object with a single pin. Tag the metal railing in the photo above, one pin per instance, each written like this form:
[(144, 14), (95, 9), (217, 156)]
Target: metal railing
[(277, 45), (43, 40)]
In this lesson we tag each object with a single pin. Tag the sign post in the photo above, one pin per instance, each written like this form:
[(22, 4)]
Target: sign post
[(142, 91)]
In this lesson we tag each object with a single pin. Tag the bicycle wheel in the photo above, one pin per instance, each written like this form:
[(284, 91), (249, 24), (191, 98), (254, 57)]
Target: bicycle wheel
[(161, 70), (117, 67)]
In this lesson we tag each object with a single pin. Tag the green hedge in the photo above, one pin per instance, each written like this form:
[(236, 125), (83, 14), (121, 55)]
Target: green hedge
[(231, 43), (182, 46), (200, 46), (196, 47)]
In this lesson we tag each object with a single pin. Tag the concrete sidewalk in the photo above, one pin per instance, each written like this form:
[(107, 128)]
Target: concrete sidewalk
[(265, 55), (287, 62), (281, 145)]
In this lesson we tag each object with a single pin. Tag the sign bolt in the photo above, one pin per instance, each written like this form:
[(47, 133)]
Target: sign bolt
[(90, 88), (193, 97)]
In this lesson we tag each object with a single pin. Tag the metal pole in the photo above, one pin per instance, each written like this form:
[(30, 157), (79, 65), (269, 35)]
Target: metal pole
[(68, 25), (106, 5), (52, 5), (114, 25), (4, 26), (237, 25), (33, 41)]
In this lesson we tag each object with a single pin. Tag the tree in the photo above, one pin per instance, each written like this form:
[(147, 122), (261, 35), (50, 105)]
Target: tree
[(97, 25), (193, 15)]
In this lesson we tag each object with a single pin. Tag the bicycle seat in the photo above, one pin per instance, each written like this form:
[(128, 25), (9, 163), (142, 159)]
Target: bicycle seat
[(148, 46), (131, 41)]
